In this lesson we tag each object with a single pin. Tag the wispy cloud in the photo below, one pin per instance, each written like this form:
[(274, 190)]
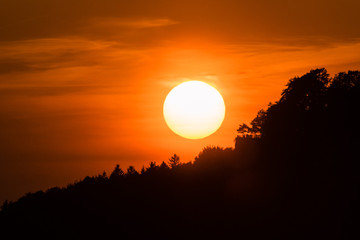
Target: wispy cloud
[(141, 23), (63, 66), (45, 54)]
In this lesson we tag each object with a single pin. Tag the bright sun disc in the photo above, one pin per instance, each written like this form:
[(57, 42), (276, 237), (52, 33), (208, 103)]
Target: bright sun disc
[(194, 110)]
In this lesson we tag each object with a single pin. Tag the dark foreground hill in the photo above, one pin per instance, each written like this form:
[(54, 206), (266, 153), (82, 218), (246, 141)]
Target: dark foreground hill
[(293, 174)]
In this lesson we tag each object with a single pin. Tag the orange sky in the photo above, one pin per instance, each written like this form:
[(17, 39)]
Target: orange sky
[(82, 83)]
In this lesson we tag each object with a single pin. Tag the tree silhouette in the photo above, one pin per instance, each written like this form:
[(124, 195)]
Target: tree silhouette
[(257, 122), (256, 126), (244, 130), (117, 172), (164, 166), (152, 165), (306, 90), (131, 171), (174, 161)]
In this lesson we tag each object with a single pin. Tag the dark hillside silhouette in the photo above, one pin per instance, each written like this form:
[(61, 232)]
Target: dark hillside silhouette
[(293, 174)]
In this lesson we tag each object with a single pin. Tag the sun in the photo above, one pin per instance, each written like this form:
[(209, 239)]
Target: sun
[(194, 110)]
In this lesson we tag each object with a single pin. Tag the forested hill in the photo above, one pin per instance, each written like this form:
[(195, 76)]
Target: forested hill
[(293, 174)]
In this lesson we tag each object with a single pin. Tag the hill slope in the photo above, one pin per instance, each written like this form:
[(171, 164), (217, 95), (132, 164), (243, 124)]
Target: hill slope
[(293, 174)]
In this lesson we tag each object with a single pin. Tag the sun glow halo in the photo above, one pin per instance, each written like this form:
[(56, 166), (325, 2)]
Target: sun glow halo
[(194, 109)]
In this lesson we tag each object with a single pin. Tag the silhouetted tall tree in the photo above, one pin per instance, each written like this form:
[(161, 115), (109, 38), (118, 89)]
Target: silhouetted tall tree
[(117, 172), (174, 161), (256, 126), (131, 171), (164, 166), (244, 130)]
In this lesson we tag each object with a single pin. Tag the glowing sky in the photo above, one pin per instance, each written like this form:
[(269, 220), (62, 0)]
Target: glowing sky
[(82, 83)]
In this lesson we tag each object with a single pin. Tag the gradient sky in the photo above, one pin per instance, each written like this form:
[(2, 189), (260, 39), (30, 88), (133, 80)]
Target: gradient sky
[(82, 82)]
